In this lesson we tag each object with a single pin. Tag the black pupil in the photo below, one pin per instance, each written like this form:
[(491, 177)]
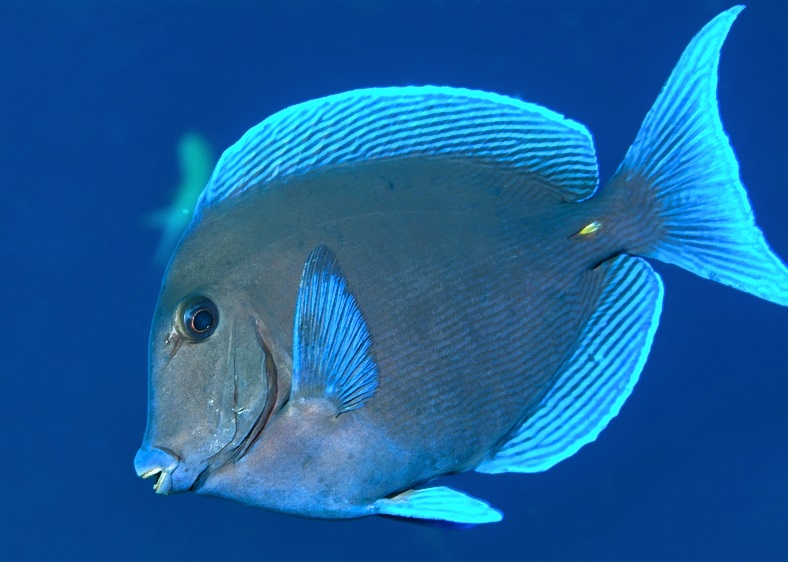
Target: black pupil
[(202, 320)]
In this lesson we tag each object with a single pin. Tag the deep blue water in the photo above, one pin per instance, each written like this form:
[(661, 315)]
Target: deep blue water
[(93, 97)]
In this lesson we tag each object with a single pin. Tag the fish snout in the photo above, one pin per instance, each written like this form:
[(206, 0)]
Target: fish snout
[(158, 463)]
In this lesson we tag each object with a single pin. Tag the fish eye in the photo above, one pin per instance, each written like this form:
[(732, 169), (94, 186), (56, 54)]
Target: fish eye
[(197, 318)]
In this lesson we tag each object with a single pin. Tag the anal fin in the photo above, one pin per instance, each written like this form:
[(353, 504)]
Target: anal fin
[(439, 504), (598, 374)]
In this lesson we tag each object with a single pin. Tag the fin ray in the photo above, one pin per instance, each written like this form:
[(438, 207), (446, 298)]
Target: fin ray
[(331, 345), (378, 123), (441, 504), (599, 374), (683, 156)]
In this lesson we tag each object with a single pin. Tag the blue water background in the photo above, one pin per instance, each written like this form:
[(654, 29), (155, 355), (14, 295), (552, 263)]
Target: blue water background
[(93, 97)]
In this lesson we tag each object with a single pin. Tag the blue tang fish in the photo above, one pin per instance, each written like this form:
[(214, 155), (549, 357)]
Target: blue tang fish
[(388, 285)]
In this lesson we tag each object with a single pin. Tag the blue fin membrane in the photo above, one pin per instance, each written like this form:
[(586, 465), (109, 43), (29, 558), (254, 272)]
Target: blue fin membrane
[(625, 300), (682, 154), (406, 122), (439, 504), (331, 345)]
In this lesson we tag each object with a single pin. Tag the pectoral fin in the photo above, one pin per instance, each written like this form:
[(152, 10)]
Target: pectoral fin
[(439, 504), (332, 356)]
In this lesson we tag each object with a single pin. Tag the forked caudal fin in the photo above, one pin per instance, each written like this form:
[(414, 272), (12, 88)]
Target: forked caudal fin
[(683, 158)]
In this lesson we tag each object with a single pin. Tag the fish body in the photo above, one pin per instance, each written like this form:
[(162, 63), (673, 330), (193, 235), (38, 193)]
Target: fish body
[(415, 296), (389, 285)]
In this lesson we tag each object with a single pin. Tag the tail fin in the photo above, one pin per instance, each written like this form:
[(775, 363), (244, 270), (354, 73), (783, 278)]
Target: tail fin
[(683, 156)]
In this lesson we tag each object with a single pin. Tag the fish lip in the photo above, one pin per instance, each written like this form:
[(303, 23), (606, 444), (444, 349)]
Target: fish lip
[(157, 462)]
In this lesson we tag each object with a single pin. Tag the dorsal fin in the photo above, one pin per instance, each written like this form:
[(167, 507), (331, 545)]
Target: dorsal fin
[(599, 373), (331, 345), (380, 123)]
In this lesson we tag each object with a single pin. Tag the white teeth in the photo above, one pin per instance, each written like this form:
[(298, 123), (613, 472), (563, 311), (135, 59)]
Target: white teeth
[(159, 481), (155, 472), (151, 472)]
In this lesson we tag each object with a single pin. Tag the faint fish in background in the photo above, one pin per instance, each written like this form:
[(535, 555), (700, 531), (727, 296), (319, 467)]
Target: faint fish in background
[(196, 162), (388, 285)]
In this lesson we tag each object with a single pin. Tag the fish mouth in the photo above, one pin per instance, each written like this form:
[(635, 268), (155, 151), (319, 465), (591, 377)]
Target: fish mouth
[(159, 463), (163, 484)]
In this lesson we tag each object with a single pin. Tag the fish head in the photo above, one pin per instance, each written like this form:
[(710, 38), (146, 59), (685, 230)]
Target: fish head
[(212, 374)]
